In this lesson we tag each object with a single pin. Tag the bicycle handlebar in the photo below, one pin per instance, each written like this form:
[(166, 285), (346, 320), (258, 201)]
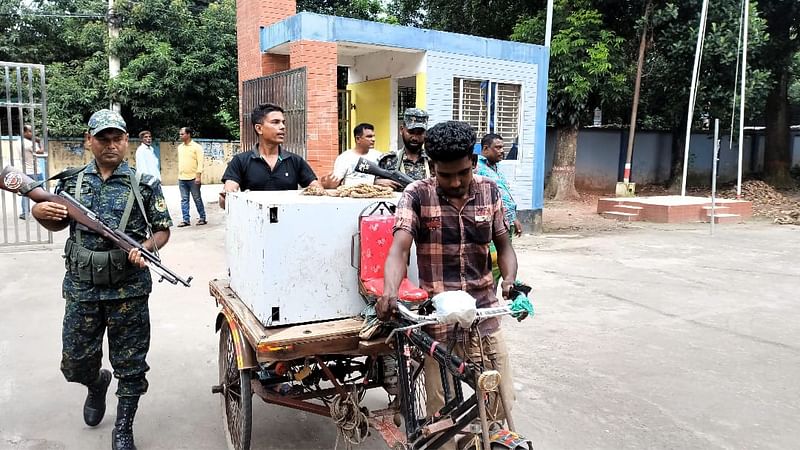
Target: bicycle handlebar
[(481, 314), (419, 320)]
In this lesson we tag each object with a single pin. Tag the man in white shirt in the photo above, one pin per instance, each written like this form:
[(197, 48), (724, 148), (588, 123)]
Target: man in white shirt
[(344, 167), (146, 159)]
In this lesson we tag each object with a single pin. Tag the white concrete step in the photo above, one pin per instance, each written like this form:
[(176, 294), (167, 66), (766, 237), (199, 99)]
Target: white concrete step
[(621, 216), (724, 218)]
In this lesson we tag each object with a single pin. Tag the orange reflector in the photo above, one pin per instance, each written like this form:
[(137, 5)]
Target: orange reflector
[(274, 348)]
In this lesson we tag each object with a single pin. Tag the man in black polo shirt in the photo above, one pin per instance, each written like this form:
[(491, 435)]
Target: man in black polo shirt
[(266, 167)]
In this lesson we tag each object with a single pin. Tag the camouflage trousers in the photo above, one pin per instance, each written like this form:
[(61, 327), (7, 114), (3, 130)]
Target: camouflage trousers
[(128, 324)]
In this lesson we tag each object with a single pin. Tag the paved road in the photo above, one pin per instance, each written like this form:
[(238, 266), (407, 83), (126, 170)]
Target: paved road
[(652, 337)]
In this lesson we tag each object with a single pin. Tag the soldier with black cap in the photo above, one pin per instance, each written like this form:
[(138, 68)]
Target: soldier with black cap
[(104, 288), (411, 159)]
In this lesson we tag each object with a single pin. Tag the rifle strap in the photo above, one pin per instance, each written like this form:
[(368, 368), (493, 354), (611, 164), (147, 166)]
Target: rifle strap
[(134, 195), (67, 173), (123, 221), (59, 176), (137, 193), (78, 184)]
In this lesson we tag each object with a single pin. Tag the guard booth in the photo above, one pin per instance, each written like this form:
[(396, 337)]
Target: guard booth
[(23, 105), (361, 71)]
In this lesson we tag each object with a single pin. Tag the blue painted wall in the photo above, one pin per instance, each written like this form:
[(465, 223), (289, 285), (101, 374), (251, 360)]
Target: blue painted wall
[(442, 68)]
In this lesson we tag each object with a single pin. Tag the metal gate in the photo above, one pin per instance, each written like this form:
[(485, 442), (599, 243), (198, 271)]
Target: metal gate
[(23, 144), (345, 119), (286, 89)]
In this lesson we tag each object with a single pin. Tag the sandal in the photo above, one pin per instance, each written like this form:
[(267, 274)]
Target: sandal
[(201, 222), (183, 224)]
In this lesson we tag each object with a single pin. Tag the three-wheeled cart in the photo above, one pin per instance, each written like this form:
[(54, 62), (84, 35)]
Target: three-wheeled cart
[(291, 330)]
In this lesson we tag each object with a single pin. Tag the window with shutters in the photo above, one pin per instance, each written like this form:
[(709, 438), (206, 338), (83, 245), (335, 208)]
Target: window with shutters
[(489, 106)]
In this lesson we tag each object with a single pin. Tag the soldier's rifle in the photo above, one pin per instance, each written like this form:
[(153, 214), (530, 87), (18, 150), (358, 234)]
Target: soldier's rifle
[(364, 165), (14, 181)]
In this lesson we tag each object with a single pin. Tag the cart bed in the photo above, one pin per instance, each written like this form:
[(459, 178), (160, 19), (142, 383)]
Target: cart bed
[(289, 342)]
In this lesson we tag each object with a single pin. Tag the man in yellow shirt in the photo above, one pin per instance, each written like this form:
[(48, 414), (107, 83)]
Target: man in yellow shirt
[(190, 171)]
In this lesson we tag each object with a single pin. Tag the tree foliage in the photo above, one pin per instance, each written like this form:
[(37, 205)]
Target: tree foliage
[(671, 57), (586, 61), (783, 25), (178, 63), (356, 9), (488, 18)]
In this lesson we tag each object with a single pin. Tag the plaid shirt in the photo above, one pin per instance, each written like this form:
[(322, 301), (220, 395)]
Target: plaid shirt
[(453, 245)]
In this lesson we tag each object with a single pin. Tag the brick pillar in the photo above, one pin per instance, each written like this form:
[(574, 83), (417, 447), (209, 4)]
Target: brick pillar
[(322, 141), (250, 16)]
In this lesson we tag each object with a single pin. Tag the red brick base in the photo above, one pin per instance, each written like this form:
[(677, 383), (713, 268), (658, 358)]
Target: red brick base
[(674, 209)]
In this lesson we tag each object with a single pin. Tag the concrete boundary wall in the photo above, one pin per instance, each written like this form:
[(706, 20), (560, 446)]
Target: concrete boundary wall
[(601, 157), (73, 152)]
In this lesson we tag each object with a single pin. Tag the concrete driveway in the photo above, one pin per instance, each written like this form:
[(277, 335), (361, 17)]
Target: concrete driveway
[(648, 337)]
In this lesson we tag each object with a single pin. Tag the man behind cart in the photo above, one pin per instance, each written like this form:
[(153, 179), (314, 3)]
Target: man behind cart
[(452, 217), (267, 166)]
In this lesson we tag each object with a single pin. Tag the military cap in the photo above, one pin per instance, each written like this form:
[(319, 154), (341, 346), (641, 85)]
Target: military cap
[(104, 119), (415, 118)]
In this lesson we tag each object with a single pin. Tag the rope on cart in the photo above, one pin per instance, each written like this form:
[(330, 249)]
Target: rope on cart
[(356, 191), (350, 419)]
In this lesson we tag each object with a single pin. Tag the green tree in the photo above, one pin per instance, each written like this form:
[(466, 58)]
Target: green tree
[(178, 62), (783, 25), (669, 65), (179, 66), (794, 89), (487, 18), (356, 9), (586, 70)]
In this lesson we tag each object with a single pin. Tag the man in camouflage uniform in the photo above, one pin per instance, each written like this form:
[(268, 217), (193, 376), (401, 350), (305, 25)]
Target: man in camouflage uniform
[(411, 159), (104, 288)]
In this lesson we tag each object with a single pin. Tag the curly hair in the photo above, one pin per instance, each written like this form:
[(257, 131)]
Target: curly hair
[(449, 141)]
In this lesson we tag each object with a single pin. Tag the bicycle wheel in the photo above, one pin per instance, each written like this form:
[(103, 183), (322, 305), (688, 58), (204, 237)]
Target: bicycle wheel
[(420, 396), (236, 395)]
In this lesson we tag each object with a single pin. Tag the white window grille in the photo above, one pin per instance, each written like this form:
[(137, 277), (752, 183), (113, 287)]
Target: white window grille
[(489, 106)]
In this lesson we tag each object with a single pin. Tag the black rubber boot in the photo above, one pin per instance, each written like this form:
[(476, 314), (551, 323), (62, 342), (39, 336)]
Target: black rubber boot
[(122, 437), (94, 408)]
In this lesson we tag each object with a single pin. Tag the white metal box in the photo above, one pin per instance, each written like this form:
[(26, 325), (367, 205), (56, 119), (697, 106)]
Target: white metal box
[(289, 255)]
